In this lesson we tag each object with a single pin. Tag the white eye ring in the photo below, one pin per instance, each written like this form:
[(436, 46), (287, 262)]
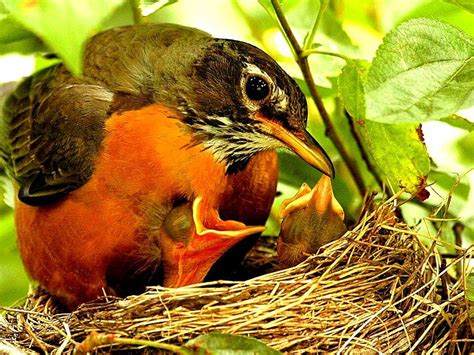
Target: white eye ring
[(250, 71)]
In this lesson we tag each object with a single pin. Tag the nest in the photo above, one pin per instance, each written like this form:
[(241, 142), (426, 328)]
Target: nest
[(378, 288)]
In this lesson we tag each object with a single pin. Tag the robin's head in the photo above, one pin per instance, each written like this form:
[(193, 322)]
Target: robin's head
[(242, 102)]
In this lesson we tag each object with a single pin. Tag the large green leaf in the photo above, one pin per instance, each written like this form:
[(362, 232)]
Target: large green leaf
[(352, 87), (423, 71), (395, 12), (220, 344), (395, 151), (64, 25)]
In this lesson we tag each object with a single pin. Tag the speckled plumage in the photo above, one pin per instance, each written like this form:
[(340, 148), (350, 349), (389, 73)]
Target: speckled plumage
[(153, 164), (54, 122)]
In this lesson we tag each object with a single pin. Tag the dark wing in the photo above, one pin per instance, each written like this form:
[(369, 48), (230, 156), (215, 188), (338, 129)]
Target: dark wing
[(53, 124), (52, 128)]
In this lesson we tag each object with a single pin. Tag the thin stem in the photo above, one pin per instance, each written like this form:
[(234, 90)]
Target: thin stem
[(136, 11), (312, 34), (458, 229), (150, 344), (95, 340), (308, 52), (372, 169), (330, 130), (306, 71)]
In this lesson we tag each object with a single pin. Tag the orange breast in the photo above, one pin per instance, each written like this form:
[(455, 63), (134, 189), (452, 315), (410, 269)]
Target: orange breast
[(147, 161)]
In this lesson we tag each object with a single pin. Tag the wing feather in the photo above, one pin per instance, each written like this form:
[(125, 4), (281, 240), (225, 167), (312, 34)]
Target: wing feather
[(53, 126)]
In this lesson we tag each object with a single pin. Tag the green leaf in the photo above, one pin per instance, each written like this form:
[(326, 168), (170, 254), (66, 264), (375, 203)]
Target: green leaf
[(3, 10), (15, 38), (447, 181), (218, 343), (435, 9), (8, 193), (332, 28), (13, 279), (464, 147), (352, 87), (465, 4), (458, 187), (470, 287), (459, 122), (267, 5), (294, 171), (12, 31), (395, 151), (149, 7), (423, 71), (64, 25)]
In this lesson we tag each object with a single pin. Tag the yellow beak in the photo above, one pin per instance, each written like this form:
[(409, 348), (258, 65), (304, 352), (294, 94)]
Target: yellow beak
[(302, 144)]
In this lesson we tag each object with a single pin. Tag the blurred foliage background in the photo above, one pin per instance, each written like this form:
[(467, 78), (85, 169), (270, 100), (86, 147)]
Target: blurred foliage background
[(352, 29)]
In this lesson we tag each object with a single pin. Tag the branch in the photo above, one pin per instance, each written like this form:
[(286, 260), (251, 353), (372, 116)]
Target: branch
[(364, 154), (308, 52), (305, 69), (290, 37), (312, 34), (458, 229)]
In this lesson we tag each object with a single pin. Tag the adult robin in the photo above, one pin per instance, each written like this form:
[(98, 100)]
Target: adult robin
[(154, 163)]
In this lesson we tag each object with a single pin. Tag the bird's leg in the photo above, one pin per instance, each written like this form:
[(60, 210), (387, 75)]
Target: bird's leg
[(194, 237)]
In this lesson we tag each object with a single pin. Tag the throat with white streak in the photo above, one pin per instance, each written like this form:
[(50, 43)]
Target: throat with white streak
[(233, 143)]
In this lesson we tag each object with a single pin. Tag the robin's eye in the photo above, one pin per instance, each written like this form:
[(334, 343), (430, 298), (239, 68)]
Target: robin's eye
[(256, 88)]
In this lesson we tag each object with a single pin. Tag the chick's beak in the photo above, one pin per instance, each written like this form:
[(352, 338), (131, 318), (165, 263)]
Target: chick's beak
[(302, 144)]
